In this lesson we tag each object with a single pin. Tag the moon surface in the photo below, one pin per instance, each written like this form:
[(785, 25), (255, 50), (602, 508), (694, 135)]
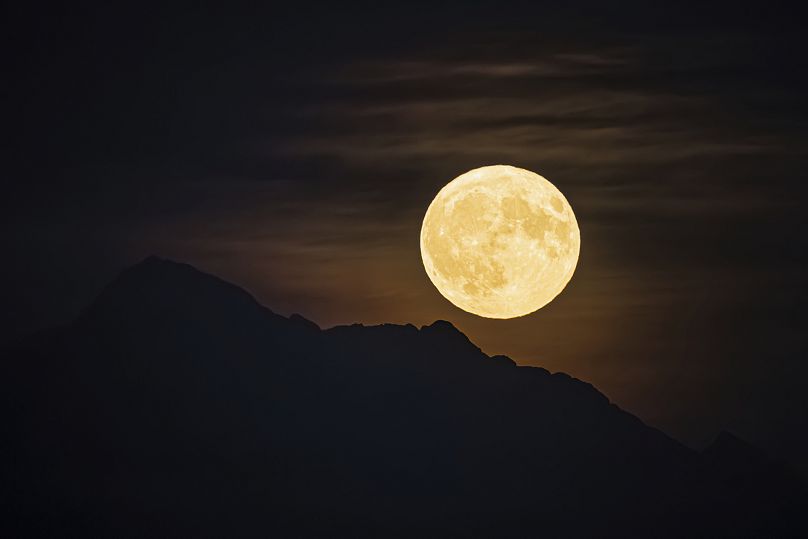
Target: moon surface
[(500, 241)]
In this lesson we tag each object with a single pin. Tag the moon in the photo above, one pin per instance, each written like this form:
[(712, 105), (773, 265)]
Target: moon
[(500, 241)]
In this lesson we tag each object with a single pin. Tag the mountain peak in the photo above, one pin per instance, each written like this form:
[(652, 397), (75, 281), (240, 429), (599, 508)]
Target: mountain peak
[(153, 266), (444, 330), (302, 321), (158, 263), (156, 286), (442, 326), (444, 335)]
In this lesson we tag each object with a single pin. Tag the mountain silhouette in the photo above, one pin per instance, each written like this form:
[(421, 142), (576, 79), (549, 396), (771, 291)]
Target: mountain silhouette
[(176, 405)]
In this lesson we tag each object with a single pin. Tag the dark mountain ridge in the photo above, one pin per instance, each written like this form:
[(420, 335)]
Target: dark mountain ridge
[(177, 405)]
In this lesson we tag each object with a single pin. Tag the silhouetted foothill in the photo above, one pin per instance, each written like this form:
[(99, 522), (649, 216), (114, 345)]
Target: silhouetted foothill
[(176, 405), (443, 327), (304, 322), (504, 360)]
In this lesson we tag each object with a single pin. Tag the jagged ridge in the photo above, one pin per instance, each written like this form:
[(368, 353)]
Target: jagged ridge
[(177, 393)]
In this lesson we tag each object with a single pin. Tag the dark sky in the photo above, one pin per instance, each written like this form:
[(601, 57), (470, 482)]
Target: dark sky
[(294, 150)]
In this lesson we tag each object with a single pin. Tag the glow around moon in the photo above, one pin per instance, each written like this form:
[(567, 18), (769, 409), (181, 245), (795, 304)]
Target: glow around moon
[(500, 241)]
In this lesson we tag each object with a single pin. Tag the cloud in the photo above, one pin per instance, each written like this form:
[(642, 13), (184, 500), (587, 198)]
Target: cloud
[(559, 65)]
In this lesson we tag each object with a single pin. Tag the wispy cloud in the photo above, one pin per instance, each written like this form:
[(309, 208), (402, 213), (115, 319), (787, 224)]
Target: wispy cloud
[(571, 64)]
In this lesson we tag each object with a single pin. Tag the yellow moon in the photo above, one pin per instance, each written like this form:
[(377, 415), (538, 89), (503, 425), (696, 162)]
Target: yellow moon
[(500, 241)]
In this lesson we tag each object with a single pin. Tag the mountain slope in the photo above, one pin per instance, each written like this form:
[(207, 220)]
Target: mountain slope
[(176, 405)]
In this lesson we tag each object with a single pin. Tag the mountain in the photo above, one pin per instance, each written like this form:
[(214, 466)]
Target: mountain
[(176, 405)]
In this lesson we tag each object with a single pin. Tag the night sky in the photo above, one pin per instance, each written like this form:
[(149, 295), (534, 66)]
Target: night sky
[(294, 151)]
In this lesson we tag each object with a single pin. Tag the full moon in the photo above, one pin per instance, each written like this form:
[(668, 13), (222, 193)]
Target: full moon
[(500, 241)]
